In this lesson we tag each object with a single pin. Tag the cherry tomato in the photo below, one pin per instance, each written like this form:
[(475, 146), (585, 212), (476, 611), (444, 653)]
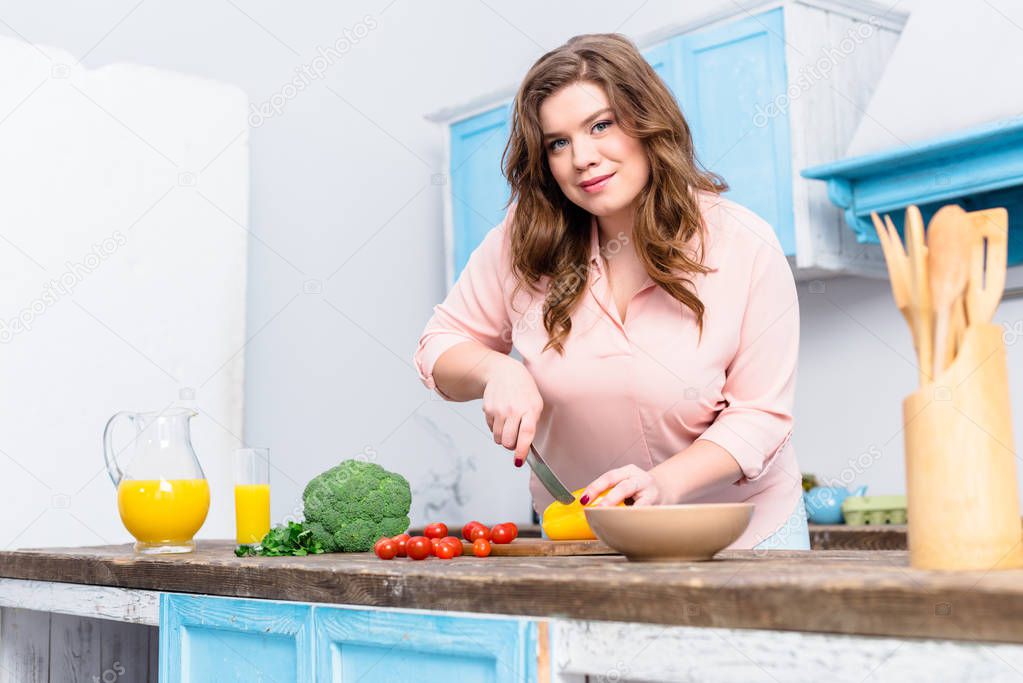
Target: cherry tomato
[(481, 547), (479, 532), (444, 551), (455, 543), (379, 541), (436, 530), (500, 533), (467, 529), (511, 526), (418, 547), (401, 540), (386, 549)]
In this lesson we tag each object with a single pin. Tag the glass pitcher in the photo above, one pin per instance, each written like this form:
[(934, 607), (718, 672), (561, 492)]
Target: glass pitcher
[(162, 494)]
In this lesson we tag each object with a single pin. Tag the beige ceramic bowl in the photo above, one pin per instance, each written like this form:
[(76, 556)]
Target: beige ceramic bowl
[(670, 532)]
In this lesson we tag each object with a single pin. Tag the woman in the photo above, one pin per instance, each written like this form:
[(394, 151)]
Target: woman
[(657, 321)]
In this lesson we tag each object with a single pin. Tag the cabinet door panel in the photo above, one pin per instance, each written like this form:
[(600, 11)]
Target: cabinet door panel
[(353, 644), (206, 638), (479, 192), (734, 85)]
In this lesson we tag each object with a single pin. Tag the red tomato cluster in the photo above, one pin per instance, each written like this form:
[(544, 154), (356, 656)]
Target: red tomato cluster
[(438, 543)]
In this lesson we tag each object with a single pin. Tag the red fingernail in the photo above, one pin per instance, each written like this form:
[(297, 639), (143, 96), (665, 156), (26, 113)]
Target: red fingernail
[(518, 463), (584, 500)]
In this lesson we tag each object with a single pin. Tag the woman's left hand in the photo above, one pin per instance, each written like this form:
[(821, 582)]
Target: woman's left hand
[(626, 482)]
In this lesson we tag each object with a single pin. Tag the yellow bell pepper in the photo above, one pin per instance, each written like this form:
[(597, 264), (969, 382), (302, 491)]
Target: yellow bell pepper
[(568, 522)]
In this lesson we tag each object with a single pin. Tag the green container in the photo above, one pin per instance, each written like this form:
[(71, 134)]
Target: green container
[(874, 510)]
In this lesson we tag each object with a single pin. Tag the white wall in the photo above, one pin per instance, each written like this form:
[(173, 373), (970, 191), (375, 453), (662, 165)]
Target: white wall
[(346, 259), (948, 73), (122, 279)]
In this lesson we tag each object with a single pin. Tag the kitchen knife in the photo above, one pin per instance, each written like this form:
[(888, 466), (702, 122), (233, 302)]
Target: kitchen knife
[(549, 480)]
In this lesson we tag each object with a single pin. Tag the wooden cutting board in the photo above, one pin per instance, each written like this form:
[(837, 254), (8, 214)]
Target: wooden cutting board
[(538, 547)]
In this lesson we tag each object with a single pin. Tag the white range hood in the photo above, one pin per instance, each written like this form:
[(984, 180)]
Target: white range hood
[(945, 124)]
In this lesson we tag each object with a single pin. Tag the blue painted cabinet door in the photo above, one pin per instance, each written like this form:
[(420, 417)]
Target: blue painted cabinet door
[(372, 645), (479, 192), (219, 640), (734, 98)]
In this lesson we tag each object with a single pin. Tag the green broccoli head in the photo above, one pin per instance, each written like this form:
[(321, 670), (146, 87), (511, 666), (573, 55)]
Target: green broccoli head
[(350, 506)]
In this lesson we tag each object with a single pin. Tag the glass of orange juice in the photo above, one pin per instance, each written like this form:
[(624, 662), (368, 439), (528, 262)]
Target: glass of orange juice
[(251, 494)]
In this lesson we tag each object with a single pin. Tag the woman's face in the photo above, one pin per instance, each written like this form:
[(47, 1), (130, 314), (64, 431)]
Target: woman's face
[(582, 147)]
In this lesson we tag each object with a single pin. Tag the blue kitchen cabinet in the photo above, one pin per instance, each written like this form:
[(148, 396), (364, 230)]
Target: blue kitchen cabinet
[(479, 191), (205, 638), (355, 644), (664, 58), (734, 98)]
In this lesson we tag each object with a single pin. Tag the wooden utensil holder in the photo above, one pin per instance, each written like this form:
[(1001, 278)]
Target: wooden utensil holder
[(961, 464)]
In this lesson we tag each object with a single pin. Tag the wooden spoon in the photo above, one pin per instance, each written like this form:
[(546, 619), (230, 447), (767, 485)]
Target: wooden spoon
[(949, 244), (920, 301)]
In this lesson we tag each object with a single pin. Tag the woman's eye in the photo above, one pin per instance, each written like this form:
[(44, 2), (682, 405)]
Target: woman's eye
[(553, 146)]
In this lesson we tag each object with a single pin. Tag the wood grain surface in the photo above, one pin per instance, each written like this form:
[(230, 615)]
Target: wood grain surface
[(535, 547), (863, 537), (832, 591), (822, 536)]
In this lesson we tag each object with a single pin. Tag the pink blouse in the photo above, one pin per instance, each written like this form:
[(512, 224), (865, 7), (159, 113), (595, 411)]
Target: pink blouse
[(641, 391)]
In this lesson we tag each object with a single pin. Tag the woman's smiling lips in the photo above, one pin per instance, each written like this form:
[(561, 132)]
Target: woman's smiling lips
[(595, 184)]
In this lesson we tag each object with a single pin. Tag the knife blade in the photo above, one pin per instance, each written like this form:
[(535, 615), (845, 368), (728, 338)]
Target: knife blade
[(547, 477)]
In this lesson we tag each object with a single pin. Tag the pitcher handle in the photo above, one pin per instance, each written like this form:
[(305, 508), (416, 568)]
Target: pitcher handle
[(108, 446)]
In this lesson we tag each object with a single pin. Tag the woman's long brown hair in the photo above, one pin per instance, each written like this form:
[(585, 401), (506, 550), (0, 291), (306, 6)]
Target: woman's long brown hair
[(550, 235)]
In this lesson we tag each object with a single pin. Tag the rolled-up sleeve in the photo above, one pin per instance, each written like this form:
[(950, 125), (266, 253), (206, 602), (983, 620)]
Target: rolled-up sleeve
[(474, 310), (759, 389)]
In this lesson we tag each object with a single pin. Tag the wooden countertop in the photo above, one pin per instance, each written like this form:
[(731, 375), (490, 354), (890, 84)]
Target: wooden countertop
[(822, 536), (838, 591)]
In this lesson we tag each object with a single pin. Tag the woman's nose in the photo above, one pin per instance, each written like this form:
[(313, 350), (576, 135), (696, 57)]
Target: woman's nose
[(584, 155)]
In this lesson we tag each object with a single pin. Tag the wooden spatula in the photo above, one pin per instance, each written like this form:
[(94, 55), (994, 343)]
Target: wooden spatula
[(920, 300), (956, 329), (987, 266), (898, 268), (949, 242)]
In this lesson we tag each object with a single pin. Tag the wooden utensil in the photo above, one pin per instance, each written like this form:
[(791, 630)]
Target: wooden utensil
[(920, 300), (987, 266), (949, 241), (956, 329), (896, 267), (898, 270)]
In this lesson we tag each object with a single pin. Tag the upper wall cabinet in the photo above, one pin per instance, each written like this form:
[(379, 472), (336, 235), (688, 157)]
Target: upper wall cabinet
[(730, 73), (766, 92)]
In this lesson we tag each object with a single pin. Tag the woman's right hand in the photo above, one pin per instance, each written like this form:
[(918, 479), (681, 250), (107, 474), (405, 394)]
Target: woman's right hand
[(512, 404)]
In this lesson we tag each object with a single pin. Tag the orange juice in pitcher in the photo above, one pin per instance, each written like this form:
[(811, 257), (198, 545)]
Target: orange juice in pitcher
[(162, 512), (162, 494)]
